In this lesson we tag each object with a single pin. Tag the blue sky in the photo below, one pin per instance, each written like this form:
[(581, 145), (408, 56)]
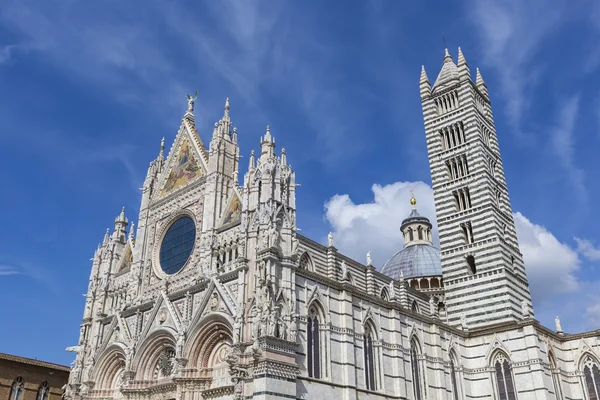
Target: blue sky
[(90, 87)]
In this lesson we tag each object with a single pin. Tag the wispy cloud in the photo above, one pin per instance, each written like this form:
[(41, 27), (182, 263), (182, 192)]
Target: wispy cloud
[(511, 33), (8, 270), (563, 145), (6, 52), (588, 249)]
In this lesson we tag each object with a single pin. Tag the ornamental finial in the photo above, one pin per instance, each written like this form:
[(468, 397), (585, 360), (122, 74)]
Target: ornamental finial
[(413, 201)]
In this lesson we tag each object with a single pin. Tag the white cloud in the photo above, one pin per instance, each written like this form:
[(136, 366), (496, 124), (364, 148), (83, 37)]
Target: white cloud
[(374, 226), (588, 249), (551, 265)]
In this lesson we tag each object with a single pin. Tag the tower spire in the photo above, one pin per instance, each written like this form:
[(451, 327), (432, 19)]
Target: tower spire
[(226, 112)]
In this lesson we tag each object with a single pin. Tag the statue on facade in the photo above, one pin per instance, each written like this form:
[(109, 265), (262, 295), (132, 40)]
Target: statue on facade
[(558, 326), (369, 261), (274, 234), (463, 321), (524, 309), (273, 323), (294, 244), (344, 268), (293, 329), (128, 357), (392, 290), (180, 344), (237, 328), (330, 239), (256, 324), (191, 100), (431, 306), (264, 323), (283, 329)]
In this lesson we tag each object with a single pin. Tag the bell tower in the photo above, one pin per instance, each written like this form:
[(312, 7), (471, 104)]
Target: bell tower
[(483, 269)]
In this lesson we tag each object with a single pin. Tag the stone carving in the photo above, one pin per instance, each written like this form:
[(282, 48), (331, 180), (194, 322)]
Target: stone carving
[(273, 323), (344, 268), (165, 362), (294, 329), (369, 261), (330, 239), (392, 290), (214, 302), (274, 235), (524, 309), (237, 329), (463, 321), (558, 326), (294, 244), (431, 306), (191, 100)]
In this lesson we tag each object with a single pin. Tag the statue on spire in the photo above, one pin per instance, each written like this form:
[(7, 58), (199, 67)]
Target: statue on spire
[(191, 100)]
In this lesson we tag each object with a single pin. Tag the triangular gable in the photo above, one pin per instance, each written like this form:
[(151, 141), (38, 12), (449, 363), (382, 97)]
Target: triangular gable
[(215, 299), (583, 349), (149, 318), (112, 333), (233, 209), (496, 345), (185, 162)]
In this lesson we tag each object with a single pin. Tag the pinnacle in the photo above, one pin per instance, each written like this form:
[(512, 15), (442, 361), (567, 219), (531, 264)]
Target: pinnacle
[(447, 56), (479, 78), (461, 57), (424, 77)]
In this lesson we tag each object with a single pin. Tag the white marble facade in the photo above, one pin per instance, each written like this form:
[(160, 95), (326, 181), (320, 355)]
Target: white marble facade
[(216, 296)]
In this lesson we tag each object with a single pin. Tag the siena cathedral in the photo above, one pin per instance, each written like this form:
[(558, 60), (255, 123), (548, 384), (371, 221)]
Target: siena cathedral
[(215, 294)]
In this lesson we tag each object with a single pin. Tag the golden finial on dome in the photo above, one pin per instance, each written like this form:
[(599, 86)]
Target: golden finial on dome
[(413, 201)]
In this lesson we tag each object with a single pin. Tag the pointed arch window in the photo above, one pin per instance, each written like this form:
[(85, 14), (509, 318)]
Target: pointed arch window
[(411, 236), (43, 391), (415, 350), (555, 373), (385, 295), (591, 377), (306, 262), (454, 376), (414, 307), (504, 378), (314, 344), (369, 358), (17, 389), (420, 233)]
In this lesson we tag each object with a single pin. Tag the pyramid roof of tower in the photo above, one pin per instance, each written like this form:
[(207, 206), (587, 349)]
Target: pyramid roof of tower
[(448, 74)]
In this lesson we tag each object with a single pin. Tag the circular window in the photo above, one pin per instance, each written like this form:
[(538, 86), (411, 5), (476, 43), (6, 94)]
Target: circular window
[(177, 245)]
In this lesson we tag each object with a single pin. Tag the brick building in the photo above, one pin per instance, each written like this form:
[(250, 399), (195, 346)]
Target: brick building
[(28, 379)]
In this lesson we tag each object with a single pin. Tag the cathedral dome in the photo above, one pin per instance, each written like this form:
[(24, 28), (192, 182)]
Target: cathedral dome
[(414, 261), (418, 258)]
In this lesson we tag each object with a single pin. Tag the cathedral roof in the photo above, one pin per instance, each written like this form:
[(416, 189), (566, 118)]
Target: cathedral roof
[(414, 261)]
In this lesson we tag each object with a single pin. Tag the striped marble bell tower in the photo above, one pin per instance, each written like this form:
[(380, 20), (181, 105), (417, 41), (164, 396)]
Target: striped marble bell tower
[(484, 275)]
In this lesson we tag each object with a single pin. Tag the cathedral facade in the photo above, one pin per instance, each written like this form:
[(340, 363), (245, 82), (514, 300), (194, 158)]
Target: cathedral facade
[(215, 295)]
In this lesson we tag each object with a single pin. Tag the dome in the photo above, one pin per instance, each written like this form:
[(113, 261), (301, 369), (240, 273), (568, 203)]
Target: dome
[(414, 261)]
